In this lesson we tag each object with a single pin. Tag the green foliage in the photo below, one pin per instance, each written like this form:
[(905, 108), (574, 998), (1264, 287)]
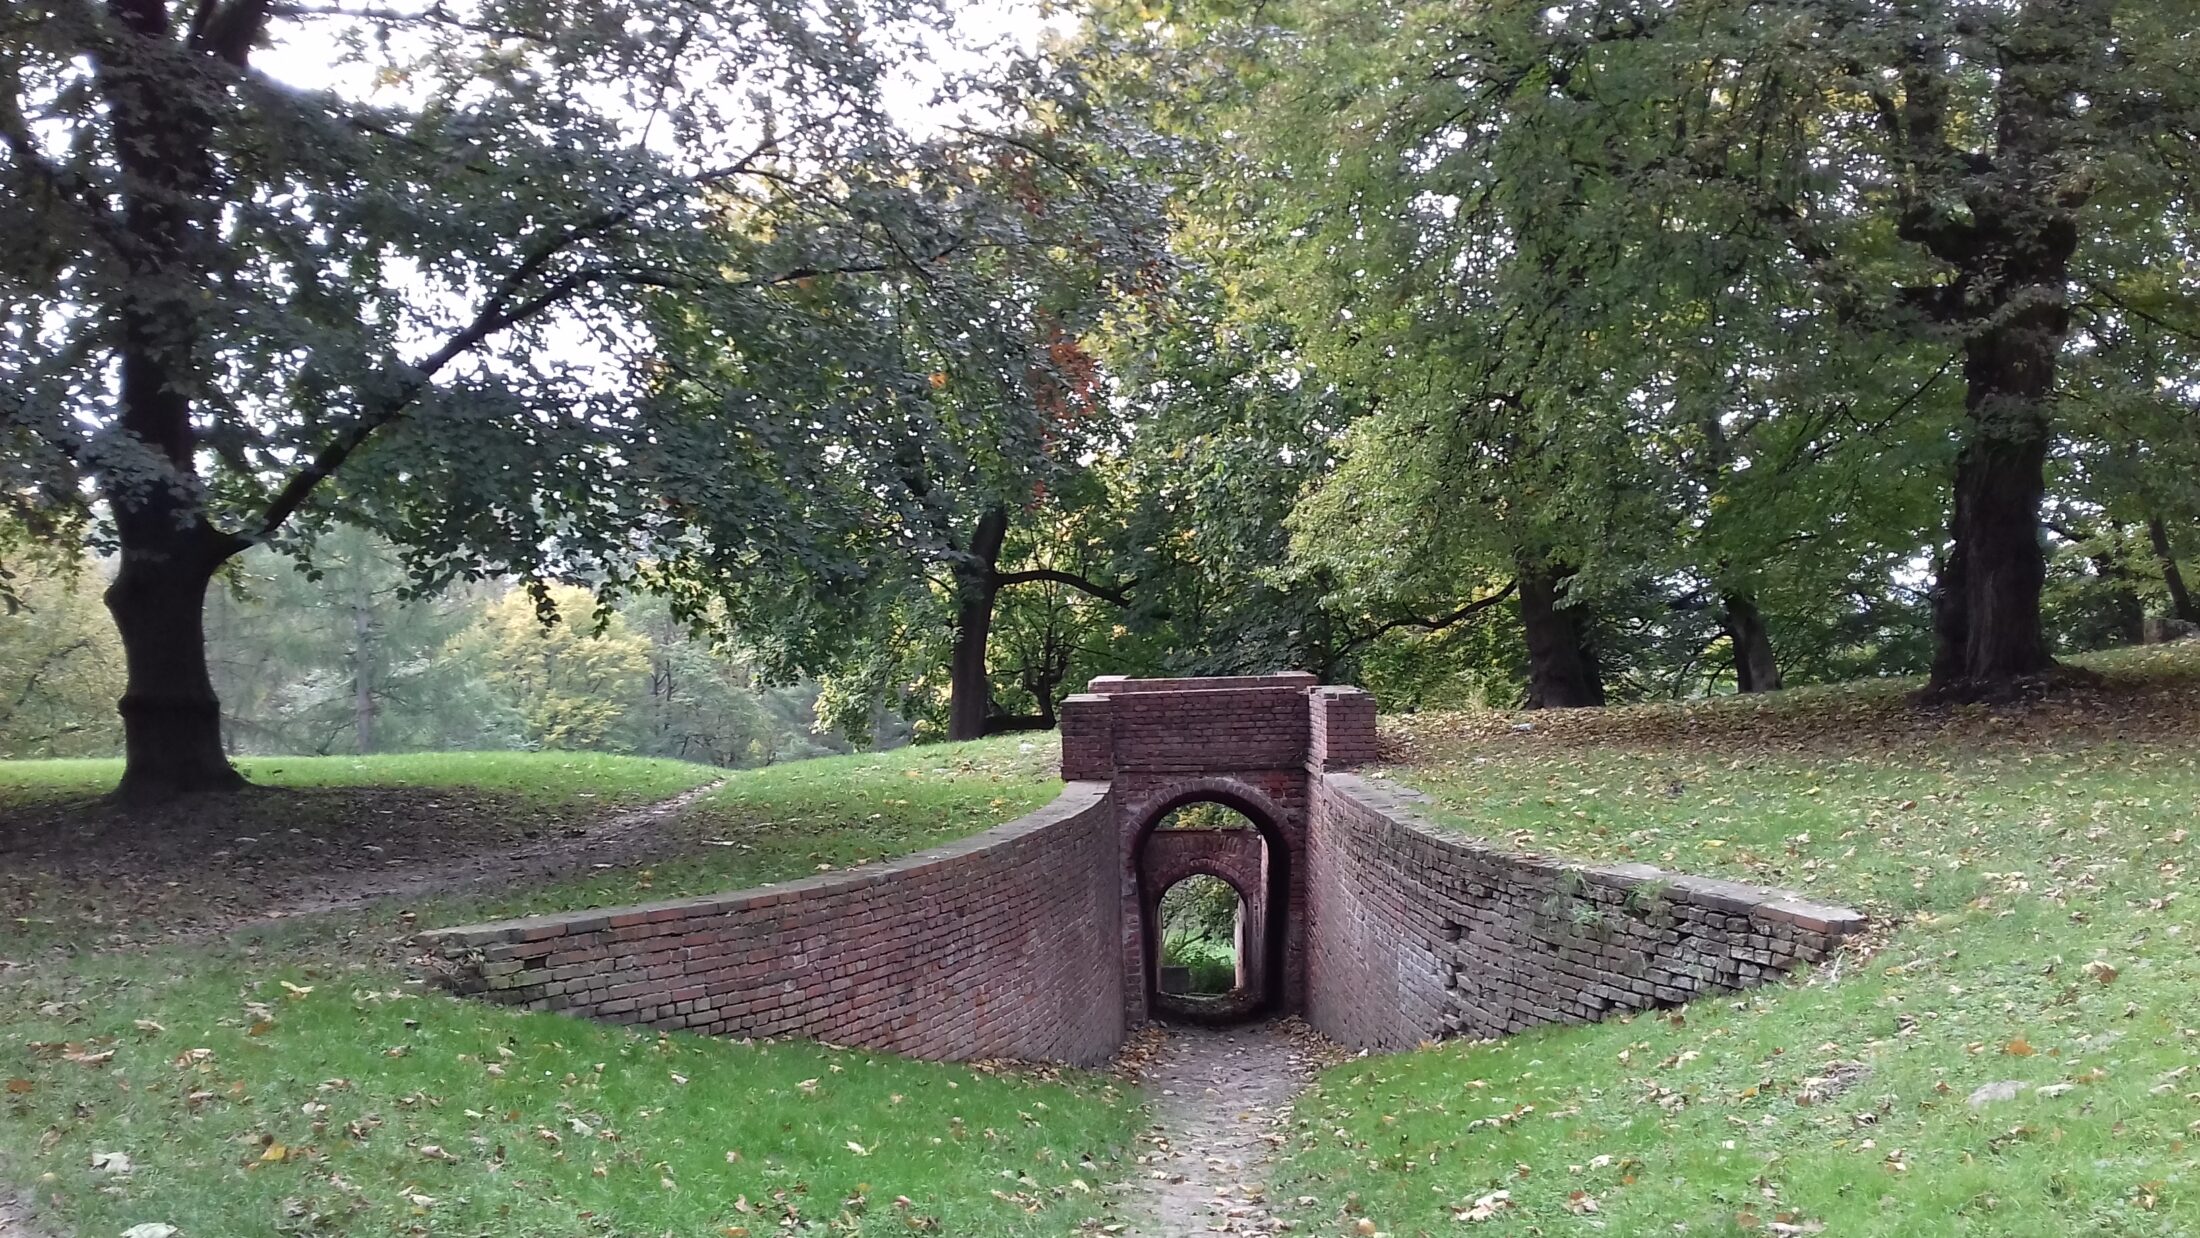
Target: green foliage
[(564, 671), (347, 657), (1199, 917), (60, 666)]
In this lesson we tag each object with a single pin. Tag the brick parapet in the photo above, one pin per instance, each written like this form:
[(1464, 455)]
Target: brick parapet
[(1001, 945), (1340, 729), (1420, 933)]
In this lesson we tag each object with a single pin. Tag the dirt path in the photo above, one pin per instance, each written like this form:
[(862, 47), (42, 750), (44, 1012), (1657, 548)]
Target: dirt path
[(15, 1219), (1220, 1098), (621, 838)]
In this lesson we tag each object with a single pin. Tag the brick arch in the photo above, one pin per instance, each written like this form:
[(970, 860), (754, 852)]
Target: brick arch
[(1253, 969), (1260, 863), (1235, 794), (1250, 862), (1252, 744)]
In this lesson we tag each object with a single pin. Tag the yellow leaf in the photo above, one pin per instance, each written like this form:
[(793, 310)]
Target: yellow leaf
[(275, 1154)]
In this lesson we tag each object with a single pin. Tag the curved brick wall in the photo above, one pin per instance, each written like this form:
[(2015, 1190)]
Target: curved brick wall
[(1030, 940), (1002, 945), (1419, 933)]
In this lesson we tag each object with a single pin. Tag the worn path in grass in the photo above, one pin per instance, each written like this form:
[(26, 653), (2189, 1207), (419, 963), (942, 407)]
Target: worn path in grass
[(628, 837), (1220, 1098)]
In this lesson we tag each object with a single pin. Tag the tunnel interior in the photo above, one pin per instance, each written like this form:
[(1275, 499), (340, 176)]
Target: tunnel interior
[(1212, 890)]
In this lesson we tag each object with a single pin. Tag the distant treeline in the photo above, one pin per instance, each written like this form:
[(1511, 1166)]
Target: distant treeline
[(349, 659)]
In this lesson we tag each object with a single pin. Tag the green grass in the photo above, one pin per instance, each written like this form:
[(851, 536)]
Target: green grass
[(807, 817), (636, 1150), (2030, 868), (362, 1106), (526, 777)]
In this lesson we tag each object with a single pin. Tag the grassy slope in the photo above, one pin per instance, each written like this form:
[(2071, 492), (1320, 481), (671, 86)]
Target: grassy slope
[(804, 817), (448, 1117), (2017, 858), (539, 778)]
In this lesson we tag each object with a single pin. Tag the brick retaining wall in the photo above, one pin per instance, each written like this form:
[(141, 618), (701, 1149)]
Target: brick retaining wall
[(1029, 941), (1001, 945), (1420, 933)]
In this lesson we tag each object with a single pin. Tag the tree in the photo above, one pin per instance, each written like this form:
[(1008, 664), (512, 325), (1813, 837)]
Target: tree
[(573, 676), (426, 292), (59, 669), (1945, 176)]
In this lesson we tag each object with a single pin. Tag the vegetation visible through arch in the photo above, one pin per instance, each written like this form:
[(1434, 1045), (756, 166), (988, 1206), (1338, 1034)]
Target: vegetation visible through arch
[(1201, 918)]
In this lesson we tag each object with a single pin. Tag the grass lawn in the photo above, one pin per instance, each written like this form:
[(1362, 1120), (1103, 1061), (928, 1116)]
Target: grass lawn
[(2030, 866), (538, 779), (295, 1080), (806, 817)]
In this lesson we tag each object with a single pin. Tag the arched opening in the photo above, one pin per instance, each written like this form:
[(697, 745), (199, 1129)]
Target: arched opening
[(1213, 885), (1202, 925)]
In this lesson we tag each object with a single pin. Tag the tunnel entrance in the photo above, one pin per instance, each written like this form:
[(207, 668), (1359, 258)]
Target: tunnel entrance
[(1213, 914)]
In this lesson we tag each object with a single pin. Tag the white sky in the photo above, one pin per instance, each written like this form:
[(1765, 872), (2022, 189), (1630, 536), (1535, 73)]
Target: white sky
[(305, 61)]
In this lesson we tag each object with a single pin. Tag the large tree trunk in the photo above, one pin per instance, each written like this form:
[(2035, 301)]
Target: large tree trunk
[(970, 689), (2011, 252), (2180, 599), (171, 721), (1756, 667), (1986, 603), (1562, 662), (163, 121)]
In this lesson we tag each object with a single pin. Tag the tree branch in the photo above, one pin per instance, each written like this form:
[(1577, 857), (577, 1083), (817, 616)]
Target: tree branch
[(1437, 624), (1117, 594), (498, 312)]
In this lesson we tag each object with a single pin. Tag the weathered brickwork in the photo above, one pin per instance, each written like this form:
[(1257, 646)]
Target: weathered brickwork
[(1275, 802), (1035, 939), (1238, 856), (1340, 730), (1419, 933), (1002, 945)]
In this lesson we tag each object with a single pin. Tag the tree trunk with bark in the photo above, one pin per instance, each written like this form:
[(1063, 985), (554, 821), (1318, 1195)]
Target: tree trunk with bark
[(1986, 603), (977, 585), (163, 126), (2180, 599), (2011, 250), (1562, 660), (1756, 667), (171, 720)]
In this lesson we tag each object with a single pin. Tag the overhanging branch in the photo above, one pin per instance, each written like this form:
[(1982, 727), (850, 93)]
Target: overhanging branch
[(1117, 594), (1437, 624)]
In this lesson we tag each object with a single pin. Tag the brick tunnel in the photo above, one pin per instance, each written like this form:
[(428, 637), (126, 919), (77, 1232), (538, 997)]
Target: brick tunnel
[(1039, 939), (1249, 744)]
